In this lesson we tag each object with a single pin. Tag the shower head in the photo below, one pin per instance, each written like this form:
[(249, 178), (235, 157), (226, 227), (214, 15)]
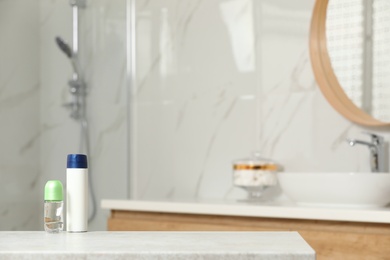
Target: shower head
[(64, 47), (70, 54)]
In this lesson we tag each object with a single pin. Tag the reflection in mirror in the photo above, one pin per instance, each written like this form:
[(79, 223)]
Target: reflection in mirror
[(358, 41)]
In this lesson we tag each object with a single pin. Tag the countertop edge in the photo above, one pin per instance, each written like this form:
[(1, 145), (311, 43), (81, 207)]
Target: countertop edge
[(154, 244), (246, 210)]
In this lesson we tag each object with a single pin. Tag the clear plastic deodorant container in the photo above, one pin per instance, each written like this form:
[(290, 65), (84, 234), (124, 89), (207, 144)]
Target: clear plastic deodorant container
[(53, 207), (77, 193)]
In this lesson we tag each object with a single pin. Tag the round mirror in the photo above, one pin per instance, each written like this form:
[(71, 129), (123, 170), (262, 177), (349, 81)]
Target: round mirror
[(350, 54)]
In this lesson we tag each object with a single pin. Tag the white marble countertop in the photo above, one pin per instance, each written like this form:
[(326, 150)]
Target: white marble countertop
[(269, 210), (154, 245)]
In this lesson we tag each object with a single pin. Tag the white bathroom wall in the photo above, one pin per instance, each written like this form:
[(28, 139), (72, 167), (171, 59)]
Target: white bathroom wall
[(217, 80), (214, 81), (19, 115), (103, 57)]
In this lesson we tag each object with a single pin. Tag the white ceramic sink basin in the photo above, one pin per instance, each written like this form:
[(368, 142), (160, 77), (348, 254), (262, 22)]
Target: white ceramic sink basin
[(358, 190)]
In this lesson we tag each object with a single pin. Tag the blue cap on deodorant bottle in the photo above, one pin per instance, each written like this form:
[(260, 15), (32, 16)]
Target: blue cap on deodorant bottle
[(77, 161)]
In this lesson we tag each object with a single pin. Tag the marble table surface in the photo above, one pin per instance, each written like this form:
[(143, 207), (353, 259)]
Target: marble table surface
[(154, 245)]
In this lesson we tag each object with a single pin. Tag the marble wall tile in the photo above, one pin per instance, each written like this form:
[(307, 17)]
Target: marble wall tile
[(195, 98), (19, 115), (217, 80)]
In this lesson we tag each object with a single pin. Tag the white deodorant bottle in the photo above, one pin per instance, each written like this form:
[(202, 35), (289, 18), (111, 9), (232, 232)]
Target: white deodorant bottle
[(77, 193)]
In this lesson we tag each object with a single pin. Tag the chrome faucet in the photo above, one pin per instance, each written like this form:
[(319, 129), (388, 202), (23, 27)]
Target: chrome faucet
[(377, 148)]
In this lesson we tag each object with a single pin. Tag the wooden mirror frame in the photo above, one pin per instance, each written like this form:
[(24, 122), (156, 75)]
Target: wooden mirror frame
[(325, 76)]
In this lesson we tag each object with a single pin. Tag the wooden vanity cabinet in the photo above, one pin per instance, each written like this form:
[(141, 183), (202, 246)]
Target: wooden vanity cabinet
[(330, 239)]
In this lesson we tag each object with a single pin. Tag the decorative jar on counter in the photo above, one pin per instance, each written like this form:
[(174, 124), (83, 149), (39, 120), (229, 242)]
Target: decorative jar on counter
[(255, 174)]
